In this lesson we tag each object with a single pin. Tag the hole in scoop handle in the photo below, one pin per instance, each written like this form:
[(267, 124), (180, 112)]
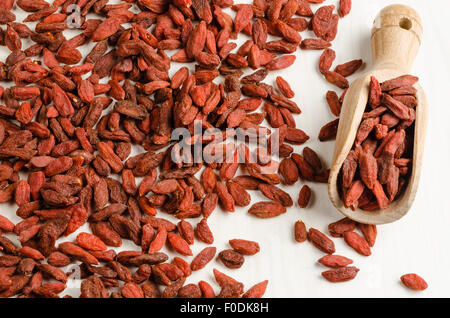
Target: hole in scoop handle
[(396, 37)]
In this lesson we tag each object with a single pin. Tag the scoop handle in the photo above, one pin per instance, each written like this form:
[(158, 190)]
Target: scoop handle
[(396, 37)]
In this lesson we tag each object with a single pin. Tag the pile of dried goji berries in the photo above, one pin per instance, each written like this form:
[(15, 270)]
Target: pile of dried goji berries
[(374, 174), (383, 147), (68, 123)]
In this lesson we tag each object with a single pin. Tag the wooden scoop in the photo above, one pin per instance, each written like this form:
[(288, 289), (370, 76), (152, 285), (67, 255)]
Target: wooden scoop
[(396, 37)]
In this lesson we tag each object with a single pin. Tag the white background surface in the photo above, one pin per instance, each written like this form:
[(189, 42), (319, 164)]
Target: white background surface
[(417, 243)]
